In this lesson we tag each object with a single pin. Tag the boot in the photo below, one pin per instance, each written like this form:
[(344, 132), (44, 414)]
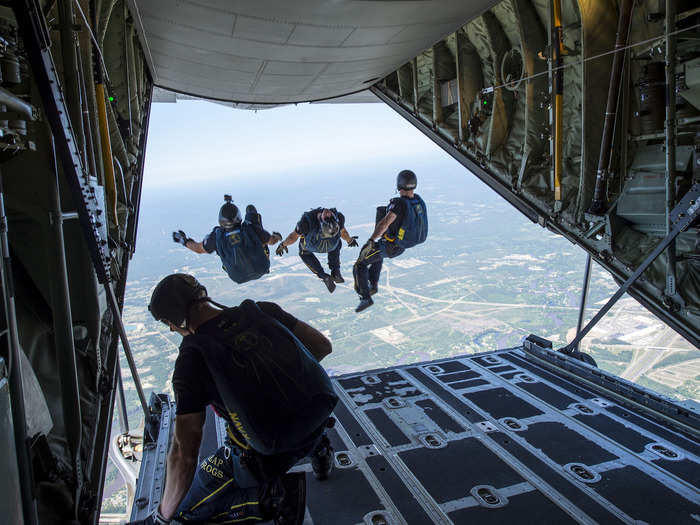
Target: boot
[(322, 459), (337, 277), (329, 282), (284, 500), (364, 304)]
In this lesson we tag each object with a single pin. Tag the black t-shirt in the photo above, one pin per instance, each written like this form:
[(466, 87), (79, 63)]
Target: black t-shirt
[(209, 241), (397, 206), (304, 226), (193, 384)]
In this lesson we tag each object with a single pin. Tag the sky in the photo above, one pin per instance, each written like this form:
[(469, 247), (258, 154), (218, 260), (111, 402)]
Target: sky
[(240, 144)]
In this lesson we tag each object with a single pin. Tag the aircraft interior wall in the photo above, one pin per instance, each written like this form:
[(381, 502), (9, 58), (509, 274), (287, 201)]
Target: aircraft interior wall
[(75, 95), (488, 94), (65, 326)]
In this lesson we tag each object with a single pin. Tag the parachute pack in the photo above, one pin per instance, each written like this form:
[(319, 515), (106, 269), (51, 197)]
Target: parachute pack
[(242, 253), (314, 241), (414, 227), (280, 392)]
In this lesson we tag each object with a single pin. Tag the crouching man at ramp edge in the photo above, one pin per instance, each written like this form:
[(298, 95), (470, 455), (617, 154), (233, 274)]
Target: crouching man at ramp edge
[(241, 244), (258, 366)]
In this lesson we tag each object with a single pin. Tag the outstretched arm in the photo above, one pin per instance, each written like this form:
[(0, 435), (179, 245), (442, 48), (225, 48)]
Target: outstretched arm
[(383, 225), (274, 238), (291, 238), (181, 237), (182, 461), (196, 247), (352, 241)]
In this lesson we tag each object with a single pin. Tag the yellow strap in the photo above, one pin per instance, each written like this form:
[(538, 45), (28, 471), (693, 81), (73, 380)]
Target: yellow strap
[(234, 507), (233, 437), (243, 519), (210, 495), (243, 504)]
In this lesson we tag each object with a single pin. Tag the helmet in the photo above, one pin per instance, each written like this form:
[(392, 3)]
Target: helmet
[(329, 226), (173, 297), (229, 215), (406, 180)]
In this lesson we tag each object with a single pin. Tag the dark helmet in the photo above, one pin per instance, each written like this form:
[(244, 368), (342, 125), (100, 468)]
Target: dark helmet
[(406, 180), (329, 226), (173, 297), (229, 215)]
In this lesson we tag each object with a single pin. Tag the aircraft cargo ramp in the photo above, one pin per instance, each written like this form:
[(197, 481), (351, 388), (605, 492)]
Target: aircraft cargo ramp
[(522, 435)]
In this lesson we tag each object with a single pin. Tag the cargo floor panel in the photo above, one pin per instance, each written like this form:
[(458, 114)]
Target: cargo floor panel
[(499, 402), (658, 429), (564, 445), (625, 436), (439, 416), (458, 376), (645, 499), (562, 381), (530, 507), (451, 472), (359, 498), (423, 444)]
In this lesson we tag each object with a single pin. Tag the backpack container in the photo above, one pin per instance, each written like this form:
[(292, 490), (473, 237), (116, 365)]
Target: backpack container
[(275, 392), (242, 253), (313, 241), (414, 227)]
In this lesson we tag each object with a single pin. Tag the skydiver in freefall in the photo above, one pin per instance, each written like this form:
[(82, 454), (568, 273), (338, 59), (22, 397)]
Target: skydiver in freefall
[(320, 230), (400, 225), (241, 244)]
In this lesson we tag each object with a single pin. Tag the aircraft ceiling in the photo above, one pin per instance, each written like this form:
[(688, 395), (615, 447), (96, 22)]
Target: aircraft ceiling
[(271, 51)]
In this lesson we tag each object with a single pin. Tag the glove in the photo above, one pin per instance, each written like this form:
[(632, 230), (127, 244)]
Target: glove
[(367, 248), (281, 249), (154, 519), (353, 241), (277, 236), (180, 237)]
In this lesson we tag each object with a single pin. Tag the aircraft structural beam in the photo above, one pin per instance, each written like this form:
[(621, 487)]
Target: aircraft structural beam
[(584, 295), (15, 372), (685, 212), (34, 33)]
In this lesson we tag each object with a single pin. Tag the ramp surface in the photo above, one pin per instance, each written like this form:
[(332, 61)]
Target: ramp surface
[(497, 438)]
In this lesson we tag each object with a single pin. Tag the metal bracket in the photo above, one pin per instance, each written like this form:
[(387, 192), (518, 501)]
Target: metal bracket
[(682, 215), (30, 22)]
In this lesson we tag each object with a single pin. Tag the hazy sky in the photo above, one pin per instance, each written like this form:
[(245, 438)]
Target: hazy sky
[(204, 140)]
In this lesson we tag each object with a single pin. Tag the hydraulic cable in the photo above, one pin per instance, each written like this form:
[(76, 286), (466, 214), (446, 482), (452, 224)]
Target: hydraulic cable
[(670, 126), (19, 418), (558, 92), (94, 40), (107, 159), (598, 205), (491, 89)]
